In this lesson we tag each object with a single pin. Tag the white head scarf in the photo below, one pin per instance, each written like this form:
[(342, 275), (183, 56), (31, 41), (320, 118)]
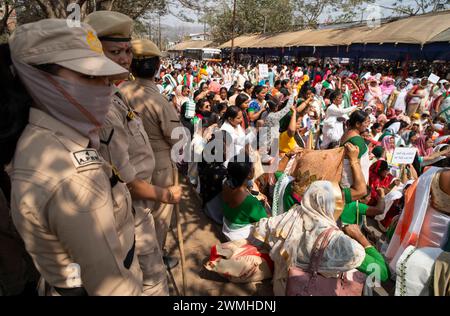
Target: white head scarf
[(394, 128), (292, 235)]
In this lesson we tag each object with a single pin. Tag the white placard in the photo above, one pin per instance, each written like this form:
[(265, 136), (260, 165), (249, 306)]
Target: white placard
[(433, 78), (263, 70), (404, 156)]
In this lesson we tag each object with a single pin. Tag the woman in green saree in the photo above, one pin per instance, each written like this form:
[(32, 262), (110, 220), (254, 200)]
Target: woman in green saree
[(287, 189), (359, 122)]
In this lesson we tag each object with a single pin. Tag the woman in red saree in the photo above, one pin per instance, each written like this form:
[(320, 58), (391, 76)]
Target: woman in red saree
[(379, 177)]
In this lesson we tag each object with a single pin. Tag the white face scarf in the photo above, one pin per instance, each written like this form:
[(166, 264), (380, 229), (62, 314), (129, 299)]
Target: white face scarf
[(83, 108)]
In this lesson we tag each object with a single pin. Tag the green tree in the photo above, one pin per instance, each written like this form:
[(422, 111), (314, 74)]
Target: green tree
[(7, 7), (309, 13), (415, 7), (252, 16), (32, 10)]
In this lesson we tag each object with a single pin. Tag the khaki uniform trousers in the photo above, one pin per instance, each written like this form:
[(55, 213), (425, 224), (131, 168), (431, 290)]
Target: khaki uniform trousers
[(150, 257), (162, 213)]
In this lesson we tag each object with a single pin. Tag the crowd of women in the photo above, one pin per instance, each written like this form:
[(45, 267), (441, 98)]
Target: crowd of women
[(315, 109), (303, 183)]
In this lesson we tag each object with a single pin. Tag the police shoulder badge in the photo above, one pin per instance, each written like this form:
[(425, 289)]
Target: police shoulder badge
[(86, 157)]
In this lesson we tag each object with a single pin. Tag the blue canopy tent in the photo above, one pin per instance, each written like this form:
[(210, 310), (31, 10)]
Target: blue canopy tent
[(424, 37)]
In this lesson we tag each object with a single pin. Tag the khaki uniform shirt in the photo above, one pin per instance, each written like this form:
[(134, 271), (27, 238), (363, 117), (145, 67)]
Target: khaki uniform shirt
[(67, 213), (125, 144), (158, 115)]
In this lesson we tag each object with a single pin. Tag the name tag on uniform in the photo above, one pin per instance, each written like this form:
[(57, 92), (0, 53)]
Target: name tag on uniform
[(85, 158)]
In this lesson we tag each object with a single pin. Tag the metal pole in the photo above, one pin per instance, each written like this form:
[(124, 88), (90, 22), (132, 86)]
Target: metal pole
[(232, 33)]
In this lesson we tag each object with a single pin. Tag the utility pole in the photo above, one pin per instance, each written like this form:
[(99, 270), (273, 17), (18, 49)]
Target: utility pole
[(232, 33)]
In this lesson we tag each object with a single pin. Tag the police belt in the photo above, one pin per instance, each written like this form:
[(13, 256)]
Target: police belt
[(81, 291)]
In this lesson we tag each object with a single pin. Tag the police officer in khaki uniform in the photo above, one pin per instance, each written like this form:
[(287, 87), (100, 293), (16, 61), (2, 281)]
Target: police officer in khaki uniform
[(68, 205), (160, 119), (126, 146)]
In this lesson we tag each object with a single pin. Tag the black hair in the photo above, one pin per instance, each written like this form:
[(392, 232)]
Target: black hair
[(385, 127), (241, 99), (333, 145), (403, 124), (211, 120), (145, 68), (15, 107), (378, 153), (232, 112), (376, 126), (184, 121), (210, 96), (357, 117), (328, 93), (273, 106), (217, 108), (258, 89), (384, 166), (444, 163), (196, 94), (417, 165), (238, 172), (304, 91), (277, 83), (334, 95), (200, 104), (284, 83), (224, 89), (247, 85), (231, 92)]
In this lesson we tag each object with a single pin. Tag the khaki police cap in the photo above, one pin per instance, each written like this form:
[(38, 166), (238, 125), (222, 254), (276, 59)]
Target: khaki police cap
[(110, 25), (144, 48), (53, 41)]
